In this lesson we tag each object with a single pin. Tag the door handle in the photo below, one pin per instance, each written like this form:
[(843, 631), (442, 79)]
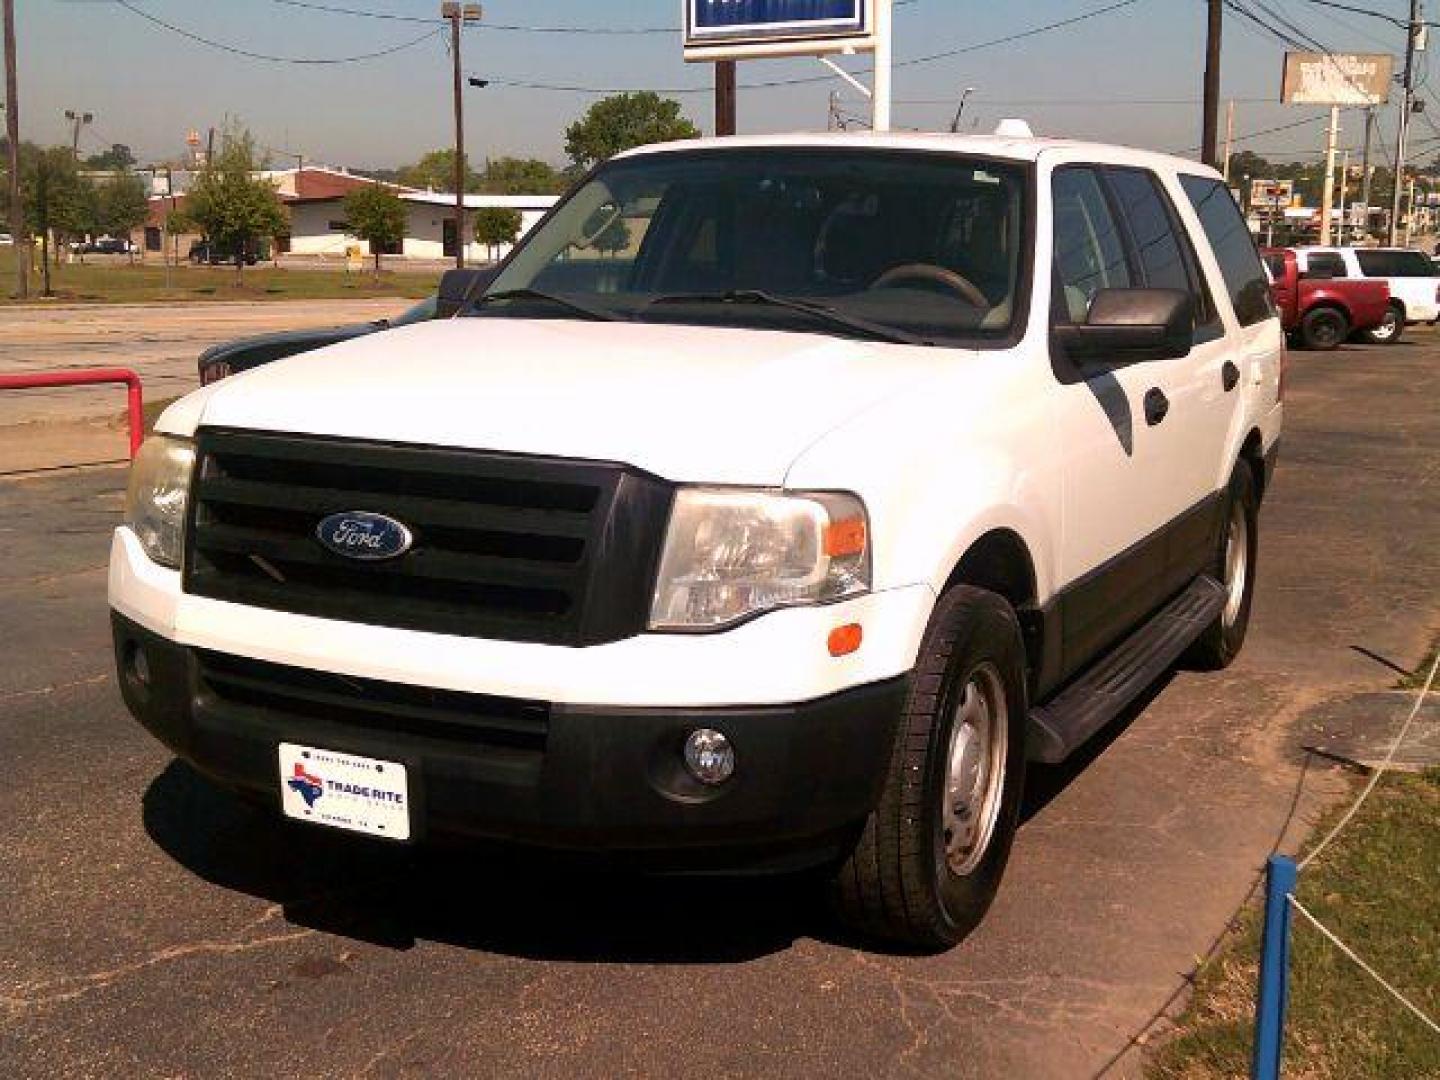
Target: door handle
[(1157, 407), (1230, 375)]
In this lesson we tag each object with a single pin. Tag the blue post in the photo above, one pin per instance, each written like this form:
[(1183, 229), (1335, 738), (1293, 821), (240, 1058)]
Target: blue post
[(1274, 970)]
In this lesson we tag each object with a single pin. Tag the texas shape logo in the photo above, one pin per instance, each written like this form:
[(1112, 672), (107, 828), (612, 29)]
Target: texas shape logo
[(309, 787)]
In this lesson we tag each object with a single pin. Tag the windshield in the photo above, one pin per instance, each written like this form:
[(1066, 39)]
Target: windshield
[(929, 245)]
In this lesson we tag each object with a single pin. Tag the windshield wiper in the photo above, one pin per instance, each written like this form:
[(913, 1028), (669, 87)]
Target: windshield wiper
[(822, 312), (598, 314)]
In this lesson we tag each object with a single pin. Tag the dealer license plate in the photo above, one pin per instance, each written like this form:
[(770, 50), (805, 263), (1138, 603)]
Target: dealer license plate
[(345, 791)]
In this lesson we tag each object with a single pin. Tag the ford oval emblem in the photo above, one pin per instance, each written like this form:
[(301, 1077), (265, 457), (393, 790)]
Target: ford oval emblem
[(359, 534)]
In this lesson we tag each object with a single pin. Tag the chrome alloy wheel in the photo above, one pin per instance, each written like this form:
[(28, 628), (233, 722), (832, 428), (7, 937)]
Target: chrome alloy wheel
[(975, 770), (1237, 562)]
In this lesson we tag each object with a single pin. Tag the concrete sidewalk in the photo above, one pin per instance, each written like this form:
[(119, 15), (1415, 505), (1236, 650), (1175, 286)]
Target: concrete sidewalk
[(160, 342)]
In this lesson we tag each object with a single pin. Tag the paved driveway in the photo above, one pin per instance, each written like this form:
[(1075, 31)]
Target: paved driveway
[(154, 926)]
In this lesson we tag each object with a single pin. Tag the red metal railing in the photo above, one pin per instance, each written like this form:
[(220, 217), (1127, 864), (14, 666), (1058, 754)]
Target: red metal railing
[(90, 377)]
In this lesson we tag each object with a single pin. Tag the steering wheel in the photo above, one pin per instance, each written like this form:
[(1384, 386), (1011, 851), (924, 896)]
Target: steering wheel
[(928, 273)]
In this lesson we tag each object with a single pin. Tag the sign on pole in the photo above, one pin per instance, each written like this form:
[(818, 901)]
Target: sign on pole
[(741, 29), (1337, 79), (1272, 192)]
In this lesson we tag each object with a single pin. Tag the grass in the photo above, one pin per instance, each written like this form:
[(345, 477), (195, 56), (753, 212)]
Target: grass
[(1376, 887), (119, 283)]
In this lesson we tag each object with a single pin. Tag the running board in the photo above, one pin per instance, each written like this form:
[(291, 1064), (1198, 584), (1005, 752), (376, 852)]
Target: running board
[(1099, 695)]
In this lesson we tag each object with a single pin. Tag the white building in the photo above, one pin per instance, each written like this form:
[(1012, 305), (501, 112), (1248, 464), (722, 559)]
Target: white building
[(315, 198)]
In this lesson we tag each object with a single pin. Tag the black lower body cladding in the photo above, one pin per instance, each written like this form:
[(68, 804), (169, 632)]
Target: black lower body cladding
[(598, 780)]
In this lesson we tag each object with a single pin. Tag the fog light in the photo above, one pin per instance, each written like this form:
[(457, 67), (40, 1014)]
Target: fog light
[(137, 666), (709, 756)]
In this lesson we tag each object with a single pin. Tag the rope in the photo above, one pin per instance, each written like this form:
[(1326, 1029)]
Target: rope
[(1376, 776), (1349, 952)]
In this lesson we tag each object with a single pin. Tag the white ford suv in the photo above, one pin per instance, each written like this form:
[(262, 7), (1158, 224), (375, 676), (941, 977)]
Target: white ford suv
[(773, 505), (1413, 279)]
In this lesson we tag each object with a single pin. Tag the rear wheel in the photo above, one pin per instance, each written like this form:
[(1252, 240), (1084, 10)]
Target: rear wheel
[(1390, 330), (1324, 329), (931, 856), (1222, 640)]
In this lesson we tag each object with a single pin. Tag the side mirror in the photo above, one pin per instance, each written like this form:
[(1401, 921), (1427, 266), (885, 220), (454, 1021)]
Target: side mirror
[(1127, 326), (458, 286)]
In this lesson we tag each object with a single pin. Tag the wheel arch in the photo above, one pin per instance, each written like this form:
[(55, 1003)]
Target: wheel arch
[(1252, 453), (1000, 561)]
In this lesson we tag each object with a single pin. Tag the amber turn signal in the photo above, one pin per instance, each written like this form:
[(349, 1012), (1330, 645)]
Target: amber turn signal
[(845, 538), (845, 640)]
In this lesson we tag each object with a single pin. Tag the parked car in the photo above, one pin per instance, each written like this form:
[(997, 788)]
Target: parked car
[(206, 253), (1320, 311), (887, 463), (231, 358), (6, 240), (1412, 278)]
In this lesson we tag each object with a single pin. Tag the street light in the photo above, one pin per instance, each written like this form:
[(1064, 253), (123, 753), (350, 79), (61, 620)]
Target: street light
[(459, 15), (955, 124), (479, 84), (77, 120)]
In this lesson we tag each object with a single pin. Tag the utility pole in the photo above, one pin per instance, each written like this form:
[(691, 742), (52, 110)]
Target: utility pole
[(1327, 195), (1344, 226), (12, 133), (459, 15), (1407, 104), (1229, 138), (726, 93), (1211, 122), (1365, 177)]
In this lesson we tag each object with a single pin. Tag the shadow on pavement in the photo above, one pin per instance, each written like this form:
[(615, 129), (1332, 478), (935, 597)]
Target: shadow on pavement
[(473, 897)]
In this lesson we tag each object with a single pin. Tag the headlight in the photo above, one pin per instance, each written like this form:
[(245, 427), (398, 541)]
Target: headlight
[(157, 495), (733, 554)]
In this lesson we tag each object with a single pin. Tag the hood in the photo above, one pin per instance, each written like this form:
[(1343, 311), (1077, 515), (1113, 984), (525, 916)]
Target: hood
[(272, 346), (686, 403)]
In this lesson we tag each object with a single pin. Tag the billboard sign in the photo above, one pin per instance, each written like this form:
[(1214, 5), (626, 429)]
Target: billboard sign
[(1272, 192), (736, 29), (1337, 79)]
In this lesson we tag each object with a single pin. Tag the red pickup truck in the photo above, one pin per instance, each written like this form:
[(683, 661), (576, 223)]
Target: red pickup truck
[(1320, 311)]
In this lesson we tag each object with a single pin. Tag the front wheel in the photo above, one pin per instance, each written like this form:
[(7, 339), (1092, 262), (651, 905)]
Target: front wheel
[(1390, 330), (930, 858)]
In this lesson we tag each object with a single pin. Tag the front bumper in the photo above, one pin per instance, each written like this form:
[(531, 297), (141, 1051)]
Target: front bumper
[(597, 779)]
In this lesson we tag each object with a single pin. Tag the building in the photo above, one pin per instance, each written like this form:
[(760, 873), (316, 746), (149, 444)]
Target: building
[(315, 199)]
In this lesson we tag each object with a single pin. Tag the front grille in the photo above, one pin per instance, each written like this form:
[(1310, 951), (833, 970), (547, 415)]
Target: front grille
[(505, 547), (393, 708)]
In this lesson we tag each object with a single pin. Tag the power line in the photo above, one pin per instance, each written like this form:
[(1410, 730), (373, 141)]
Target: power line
[(236, 50), (517, 84), (364, 13)]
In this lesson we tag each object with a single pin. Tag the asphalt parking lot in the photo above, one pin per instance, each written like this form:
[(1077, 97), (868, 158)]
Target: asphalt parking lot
[(155, 926)]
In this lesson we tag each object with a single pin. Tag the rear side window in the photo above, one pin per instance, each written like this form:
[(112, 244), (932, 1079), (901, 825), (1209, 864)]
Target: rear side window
[(1326, 263), (1089, 250), (1234, 248), (1394, 264), (1162, 250)]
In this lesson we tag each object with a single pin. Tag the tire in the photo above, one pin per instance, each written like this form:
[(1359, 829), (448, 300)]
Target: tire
[(1391, 330), (1234, 568), (903, 883), (1324, 328)]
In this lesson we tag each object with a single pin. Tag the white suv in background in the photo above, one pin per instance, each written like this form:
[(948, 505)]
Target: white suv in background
[(776, 502), (1413, 278)]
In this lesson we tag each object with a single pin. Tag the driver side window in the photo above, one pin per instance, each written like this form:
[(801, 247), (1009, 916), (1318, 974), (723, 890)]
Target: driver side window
[(1089, 250)]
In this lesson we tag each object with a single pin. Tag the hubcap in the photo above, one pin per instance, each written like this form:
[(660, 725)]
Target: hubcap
[(1237, 563), (1387, 328), (975, 771)]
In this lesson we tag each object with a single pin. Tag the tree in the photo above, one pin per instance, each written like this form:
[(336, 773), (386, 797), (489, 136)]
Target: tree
[(496, 226), (378, 216), (622, 122), (117, 159), (232, 205), (436, 171), (54, 197), (521, 176), (124, 206)]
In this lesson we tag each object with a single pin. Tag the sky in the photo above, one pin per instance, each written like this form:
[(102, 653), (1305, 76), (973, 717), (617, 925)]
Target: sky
[(1131, 76)]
